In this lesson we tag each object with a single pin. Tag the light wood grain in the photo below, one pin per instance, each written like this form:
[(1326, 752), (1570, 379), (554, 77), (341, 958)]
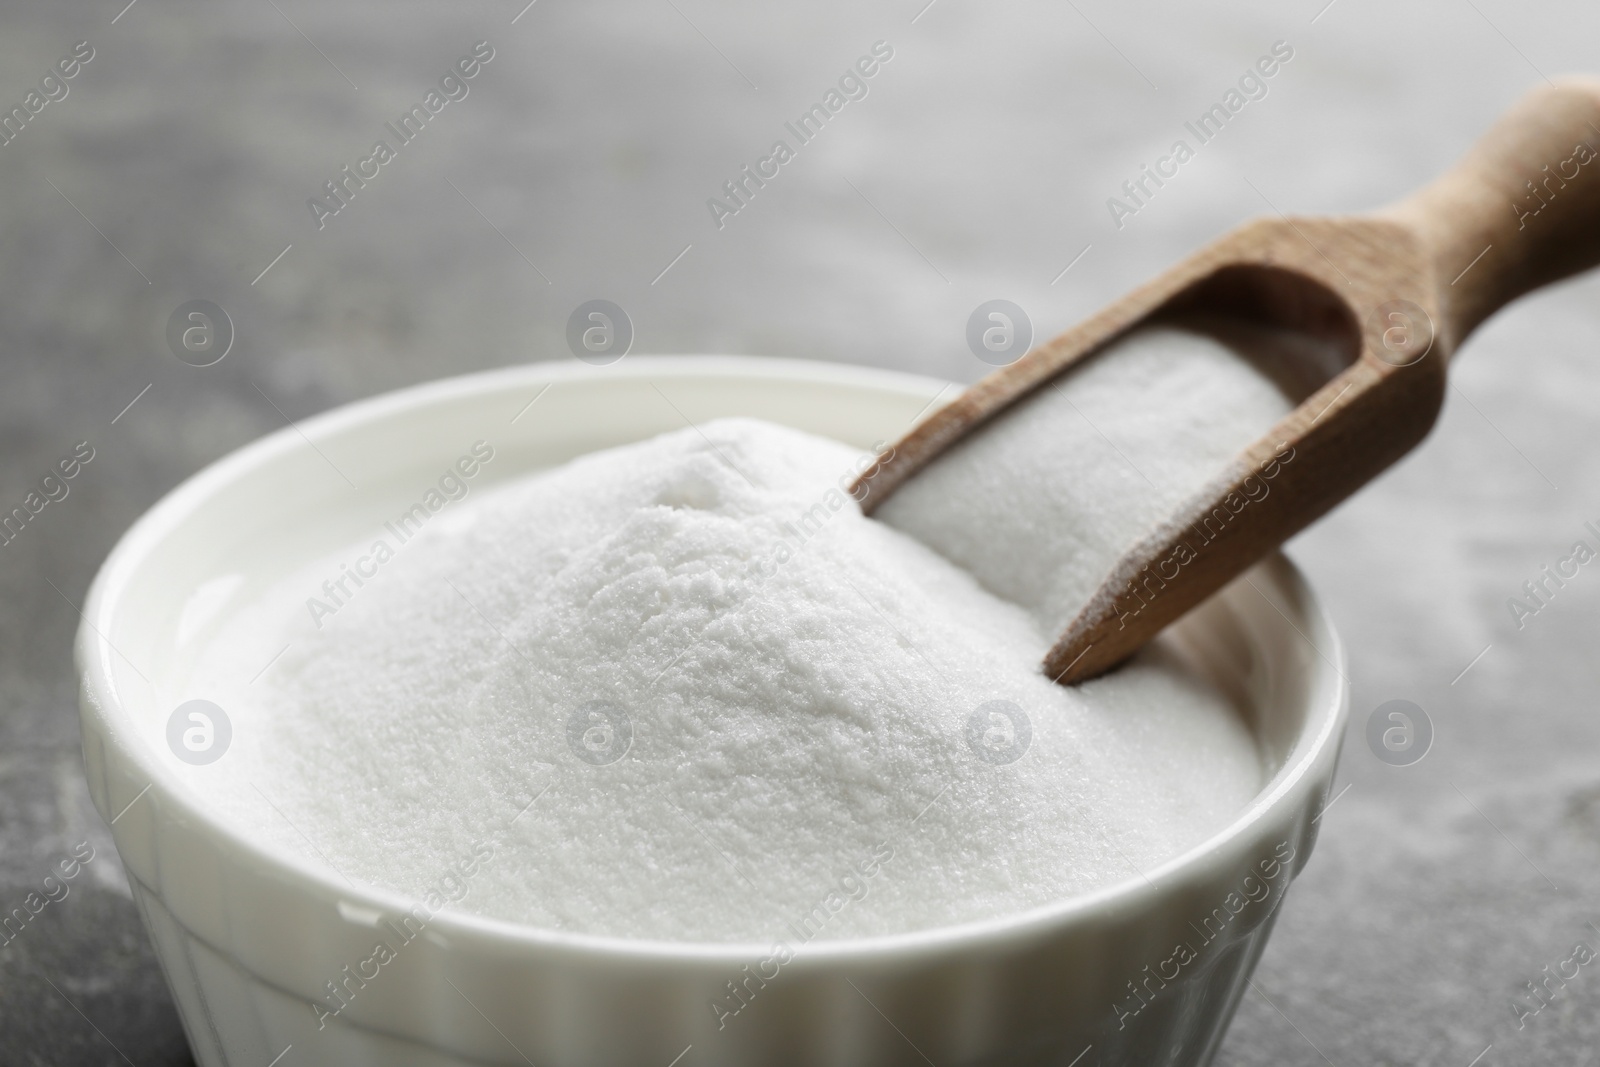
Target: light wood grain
[(1400, 290)]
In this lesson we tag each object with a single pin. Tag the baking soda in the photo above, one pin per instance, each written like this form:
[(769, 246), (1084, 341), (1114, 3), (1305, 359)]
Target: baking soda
[(1041, 503), (684, 690)]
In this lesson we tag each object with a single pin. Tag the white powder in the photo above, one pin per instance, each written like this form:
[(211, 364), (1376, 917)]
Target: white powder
[(1042, 502), (804, 759)]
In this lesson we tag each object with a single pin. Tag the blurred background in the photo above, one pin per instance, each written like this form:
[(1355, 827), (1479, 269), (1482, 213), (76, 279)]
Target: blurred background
[(179, 164)]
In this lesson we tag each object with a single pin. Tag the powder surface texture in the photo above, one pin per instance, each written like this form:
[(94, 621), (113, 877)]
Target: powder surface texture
[(684, 690)]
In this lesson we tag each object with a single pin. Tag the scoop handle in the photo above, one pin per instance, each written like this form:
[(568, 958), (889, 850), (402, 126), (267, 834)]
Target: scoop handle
[(1521, 209)]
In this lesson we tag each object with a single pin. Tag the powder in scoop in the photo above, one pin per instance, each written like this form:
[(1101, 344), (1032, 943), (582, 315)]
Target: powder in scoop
[(1055, 489), (741, 711)]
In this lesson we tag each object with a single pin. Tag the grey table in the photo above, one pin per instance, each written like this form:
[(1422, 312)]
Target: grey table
[(979, 164)]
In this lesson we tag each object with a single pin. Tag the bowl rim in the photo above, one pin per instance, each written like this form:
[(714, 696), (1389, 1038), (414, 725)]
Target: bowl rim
[(101, 698)]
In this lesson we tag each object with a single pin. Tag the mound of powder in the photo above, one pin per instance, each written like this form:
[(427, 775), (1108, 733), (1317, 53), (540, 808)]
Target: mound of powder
[(683, 689), (1054, 490)]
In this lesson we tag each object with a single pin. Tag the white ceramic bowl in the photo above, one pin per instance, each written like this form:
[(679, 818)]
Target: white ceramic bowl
[(249, 936)]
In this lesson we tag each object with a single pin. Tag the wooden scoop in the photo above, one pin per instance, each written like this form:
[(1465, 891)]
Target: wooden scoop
[(1398, 291)]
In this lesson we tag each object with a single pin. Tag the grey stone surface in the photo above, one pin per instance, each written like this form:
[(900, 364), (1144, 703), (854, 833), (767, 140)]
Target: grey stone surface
[(977, 168)]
